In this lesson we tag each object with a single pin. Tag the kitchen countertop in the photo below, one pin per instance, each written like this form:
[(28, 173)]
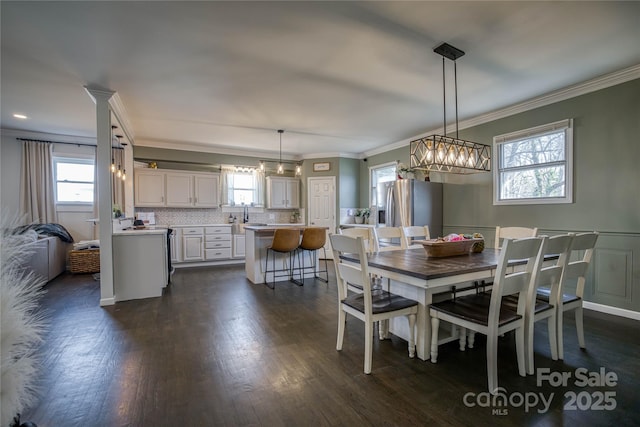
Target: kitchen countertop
[(274, 227), (134, 232), (358, 225), (202, 225)]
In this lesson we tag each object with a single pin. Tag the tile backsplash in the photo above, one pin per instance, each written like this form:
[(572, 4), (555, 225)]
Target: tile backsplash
[(176, 216)]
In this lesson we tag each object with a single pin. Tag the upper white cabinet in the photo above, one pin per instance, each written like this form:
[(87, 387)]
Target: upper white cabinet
[(283, 193), (176, 189), (179, 189), (149, 187), (206, 188)]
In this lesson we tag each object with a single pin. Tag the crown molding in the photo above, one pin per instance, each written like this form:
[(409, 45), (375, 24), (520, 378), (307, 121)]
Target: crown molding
[(601, 82), (120, 112), (202, 148)]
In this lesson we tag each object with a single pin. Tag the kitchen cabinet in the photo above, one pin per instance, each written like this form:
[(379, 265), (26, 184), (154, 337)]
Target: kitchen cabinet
[(187, 190), (217, 243), (149, 187), (238, 246), (179, 187), (206, 190), (176, 189), (140, 264), (175, 242), (283, 193), (192, 244)]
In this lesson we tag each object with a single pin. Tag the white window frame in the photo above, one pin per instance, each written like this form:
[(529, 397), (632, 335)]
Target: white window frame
[(372, 170), (556, 127), (258, 189), (81, 160)]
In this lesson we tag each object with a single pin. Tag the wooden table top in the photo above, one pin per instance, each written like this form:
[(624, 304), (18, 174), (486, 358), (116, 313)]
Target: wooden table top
[(415, 263)]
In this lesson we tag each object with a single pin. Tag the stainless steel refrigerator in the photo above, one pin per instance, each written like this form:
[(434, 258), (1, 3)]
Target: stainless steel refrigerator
[(411, 202)]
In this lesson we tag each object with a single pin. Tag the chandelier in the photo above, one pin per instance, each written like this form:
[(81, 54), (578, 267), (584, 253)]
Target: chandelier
[(442, 153)]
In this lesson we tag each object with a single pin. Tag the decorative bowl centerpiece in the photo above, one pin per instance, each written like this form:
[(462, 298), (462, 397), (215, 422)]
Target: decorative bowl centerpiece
[(451, 246)]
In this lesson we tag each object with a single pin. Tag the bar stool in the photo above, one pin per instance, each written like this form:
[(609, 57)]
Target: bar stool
[(313, 238), (285, 241)]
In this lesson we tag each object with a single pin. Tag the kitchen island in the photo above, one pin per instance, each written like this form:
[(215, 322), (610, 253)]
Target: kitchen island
[(140, 263), (257, 239)]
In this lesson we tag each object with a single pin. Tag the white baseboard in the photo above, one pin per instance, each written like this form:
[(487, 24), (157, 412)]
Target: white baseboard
[(630, 314), (107, 301)]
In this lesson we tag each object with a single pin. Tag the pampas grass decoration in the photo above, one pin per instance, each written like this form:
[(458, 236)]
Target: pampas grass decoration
[(21, 324)]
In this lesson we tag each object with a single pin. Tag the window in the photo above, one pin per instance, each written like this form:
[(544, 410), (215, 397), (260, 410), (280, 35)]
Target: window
[(243, 186), (378, 175), (74, 180), (534, 166)]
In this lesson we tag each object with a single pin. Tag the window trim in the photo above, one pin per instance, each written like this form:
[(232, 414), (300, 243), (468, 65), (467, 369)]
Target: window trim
[(81, 160), (371, 171), (567, 126)]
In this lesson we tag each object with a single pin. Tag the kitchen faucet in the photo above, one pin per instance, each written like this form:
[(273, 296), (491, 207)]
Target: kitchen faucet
[(245, 215)]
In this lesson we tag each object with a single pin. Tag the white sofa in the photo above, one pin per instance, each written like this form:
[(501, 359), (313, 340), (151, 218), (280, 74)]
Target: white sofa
[(49, 258)]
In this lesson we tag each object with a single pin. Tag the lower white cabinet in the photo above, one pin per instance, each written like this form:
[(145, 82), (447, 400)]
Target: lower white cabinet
[(204, 244), (175, 241), (238, 246), (217, 242), (192, 244)]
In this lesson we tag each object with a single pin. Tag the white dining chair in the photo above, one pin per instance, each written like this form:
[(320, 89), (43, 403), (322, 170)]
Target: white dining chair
[(367, 306), (388, 239), (513, 233), (582, 248), (359, 232), (545, 277), (414, 232), (485, 313)]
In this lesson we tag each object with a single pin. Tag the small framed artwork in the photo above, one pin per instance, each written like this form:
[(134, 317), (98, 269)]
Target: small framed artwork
[(321, 166)]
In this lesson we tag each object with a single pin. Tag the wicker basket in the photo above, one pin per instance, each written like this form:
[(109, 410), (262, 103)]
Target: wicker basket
[(84, 261), (442, 249)]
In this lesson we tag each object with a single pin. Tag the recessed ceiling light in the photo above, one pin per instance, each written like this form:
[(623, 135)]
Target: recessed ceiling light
[(19, 116)]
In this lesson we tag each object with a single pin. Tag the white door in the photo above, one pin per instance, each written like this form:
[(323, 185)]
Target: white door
[(322, 206)]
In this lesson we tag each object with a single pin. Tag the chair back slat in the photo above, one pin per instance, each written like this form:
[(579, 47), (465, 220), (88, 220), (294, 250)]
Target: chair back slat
[(513, 233), (553, 275), (412, 232), (387, 234), (349, 273), (359, 232), (582, 247), (528, 249)]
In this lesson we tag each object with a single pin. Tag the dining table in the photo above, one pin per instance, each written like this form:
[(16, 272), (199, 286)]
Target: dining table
[(413, 274)]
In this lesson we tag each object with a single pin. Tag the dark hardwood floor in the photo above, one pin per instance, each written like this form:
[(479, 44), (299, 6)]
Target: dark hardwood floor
[(216, 350)]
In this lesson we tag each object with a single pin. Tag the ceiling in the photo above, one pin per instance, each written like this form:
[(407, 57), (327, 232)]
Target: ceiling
[(342, 78)]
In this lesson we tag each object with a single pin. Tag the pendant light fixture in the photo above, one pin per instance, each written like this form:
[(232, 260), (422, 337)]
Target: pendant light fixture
[(113, 161), (280, 170), (119, 172), (442, 153)]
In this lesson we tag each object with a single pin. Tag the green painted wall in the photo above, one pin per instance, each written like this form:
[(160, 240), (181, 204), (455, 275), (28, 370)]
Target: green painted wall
[(606, 173), (349, 183), (606, 183)]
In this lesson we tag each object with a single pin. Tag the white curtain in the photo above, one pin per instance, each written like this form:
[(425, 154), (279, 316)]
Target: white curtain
[(226, 173), (37, 197), (117, 184), (259, 182)]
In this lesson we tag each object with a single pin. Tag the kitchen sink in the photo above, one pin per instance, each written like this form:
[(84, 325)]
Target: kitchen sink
[(239, 228)]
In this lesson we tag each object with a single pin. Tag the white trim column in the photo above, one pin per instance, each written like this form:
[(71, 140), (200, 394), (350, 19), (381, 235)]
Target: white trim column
[(103, 155)]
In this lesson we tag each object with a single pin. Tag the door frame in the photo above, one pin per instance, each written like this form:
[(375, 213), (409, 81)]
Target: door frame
[(335, 208)]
